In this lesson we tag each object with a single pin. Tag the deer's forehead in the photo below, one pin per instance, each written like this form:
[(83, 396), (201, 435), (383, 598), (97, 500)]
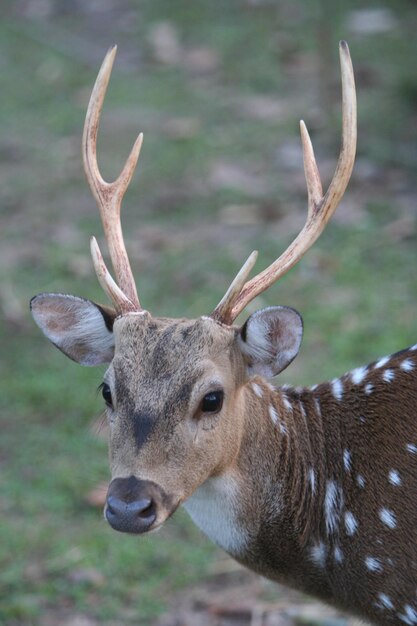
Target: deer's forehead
[(163, 344)]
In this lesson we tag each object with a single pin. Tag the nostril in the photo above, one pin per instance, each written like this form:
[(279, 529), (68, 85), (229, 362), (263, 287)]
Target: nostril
[(143, 508), (115, 507)]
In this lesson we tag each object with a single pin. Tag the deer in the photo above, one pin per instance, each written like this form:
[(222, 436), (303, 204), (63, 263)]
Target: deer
[(311, 487)]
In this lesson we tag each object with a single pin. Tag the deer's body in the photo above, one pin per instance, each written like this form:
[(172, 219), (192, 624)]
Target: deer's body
[(314, 488)]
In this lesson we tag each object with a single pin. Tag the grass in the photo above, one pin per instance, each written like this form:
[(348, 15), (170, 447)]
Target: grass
[(356, 288)]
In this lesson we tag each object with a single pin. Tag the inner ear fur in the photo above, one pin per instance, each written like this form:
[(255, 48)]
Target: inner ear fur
[(270, 339), (81, 329)]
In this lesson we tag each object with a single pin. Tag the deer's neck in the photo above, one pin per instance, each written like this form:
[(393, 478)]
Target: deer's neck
[(284, 459)]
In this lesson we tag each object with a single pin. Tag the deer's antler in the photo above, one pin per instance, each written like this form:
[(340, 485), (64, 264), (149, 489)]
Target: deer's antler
[(109, 198), (320, 208)]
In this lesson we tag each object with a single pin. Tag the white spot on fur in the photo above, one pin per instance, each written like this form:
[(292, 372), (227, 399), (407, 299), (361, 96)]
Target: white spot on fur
[(394, 477), (388, 518), (338, 555), (412, 448), (273, 414), (257, 389), (318, 554), (407, 365), (360, 481), (382, 362), (317, 406), (351, 523), (347, 460), (271, 387), (358, 374), (414, 347), (286, 402), (369, 389), (373, 564), (214, 507), (312, 479), (337, 388), (313, 387), (388, 376), (409, 616), (385, 601), (333, 503)]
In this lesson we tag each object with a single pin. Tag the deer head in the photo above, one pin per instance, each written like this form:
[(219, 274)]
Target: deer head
[(175, 390)]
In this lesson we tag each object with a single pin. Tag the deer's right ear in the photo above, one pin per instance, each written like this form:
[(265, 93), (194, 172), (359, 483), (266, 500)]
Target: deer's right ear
[(80, 328), (270, 340)]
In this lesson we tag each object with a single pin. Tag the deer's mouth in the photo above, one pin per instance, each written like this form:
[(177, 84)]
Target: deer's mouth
[(137, 506)]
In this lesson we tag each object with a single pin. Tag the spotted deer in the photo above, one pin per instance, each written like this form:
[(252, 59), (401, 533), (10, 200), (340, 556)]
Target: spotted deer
[(312, 487)]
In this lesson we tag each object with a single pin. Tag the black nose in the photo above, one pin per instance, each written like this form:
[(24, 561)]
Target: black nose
[(132, 504)]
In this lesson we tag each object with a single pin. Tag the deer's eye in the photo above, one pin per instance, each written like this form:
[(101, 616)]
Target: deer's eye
[(106, 393), (212, 402)]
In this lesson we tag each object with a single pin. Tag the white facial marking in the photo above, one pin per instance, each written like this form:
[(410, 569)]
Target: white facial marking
[(312, 479), (337, 388), (409, 616), (373, 564), (214, 507), (385, 601), (257, 389), (382, 362), (333, 503), (318, 554), (273, 414), (351, 523), (338, 555), (407, 365), (412, 448), (388, 376), (358, 374), (394, 477), (360, 481), (369, 389), (388, 518), (347, 460)]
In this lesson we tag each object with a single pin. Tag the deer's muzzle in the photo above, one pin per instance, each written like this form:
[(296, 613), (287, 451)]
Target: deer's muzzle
[(135, 506)]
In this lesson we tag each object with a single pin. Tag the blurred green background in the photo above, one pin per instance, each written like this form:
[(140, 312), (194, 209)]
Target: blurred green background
[(218, 89)]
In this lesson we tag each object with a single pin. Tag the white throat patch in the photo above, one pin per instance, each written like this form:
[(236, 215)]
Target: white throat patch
[(214, 507)]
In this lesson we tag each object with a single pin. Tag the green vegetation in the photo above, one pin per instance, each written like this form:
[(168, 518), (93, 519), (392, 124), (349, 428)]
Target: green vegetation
[(218, 88)]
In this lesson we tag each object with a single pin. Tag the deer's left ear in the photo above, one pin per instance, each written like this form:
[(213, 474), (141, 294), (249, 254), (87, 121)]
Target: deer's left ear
[(270, 340)]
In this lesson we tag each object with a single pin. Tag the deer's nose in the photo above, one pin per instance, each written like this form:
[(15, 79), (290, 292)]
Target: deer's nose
[(132, 504)]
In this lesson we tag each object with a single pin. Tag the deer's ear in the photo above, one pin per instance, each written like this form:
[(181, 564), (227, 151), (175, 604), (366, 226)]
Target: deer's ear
[(270, 340), (80, 328)]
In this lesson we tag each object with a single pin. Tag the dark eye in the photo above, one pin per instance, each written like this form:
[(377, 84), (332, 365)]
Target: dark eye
[(106, 393), (212, 402)]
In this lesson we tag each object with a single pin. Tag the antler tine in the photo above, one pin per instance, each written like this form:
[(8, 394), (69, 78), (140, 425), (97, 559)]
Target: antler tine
[(320, 208), (109, 198)]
